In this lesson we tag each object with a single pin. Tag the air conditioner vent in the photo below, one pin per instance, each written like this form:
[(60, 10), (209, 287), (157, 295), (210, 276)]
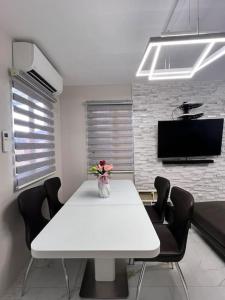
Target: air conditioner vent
[(41, 80)]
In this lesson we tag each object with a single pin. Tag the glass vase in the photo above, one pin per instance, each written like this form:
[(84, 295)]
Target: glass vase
[(103, 188)]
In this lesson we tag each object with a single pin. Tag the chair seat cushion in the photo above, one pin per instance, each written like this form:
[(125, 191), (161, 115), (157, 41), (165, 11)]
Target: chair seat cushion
[(168, 244), (210, 216), (153, 214), (169, 251)]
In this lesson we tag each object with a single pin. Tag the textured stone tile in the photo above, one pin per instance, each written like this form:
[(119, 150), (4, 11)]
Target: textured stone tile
[(156, 101)]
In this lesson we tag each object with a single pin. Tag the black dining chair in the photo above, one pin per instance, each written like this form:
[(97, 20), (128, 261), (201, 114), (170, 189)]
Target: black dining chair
[(52, 187), (156, 212), (173, 236), (30, 204)]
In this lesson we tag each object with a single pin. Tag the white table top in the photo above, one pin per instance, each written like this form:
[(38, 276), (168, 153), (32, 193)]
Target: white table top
[(116, 230), (121, 192)]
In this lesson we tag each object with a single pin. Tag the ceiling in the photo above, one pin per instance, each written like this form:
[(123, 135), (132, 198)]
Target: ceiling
[(94, 42)]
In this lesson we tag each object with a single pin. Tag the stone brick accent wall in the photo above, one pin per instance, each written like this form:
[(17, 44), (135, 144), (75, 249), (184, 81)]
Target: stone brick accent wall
[(156, 101)]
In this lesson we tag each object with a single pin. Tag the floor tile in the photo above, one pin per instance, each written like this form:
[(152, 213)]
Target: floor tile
[(204, 273), (198, 293)]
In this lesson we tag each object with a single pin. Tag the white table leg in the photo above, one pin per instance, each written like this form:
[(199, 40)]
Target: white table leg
[(104, 269)]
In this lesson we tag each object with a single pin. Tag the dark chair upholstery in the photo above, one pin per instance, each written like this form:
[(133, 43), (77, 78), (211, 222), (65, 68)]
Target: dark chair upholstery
[(156, 212), (30, 203), (30, 206), (52, 187), (173, 236)]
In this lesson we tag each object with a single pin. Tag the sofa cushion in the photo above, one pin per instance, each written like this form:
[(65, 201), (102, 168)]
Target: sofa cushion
[(210, 216)]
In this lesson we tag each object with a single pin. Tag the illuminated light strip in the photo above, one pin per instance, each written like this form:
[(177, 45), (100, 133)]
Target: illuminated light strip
[(187, 42), (164, 41), (201, 58), (139, 71), (154, 62), (216, 55), (162, 72), (171, 77)]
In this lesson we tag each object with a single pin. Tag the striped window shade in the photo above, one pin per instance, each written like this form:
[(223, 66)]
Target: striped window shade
[(110, 134), (33, 129)]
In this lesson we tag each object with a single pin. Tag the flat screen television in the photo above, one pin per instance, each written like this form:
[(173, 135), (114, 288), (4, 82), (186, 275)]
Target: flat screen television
[(187, 138)]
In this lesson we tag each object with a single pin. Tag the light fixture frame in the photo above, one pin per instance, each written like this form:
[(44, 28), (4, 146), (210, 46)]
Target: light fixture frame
[(209, 40)]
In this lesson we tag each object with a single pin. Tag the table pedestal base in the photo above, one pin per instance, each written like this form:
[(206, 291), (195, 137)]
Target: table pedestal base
[(116, 289)]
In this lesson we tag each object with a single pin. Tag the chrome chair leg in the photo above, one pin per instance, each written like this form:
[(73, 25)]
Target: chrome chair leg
[(141, 276), (182, 279), (66, 278), (26, 275)]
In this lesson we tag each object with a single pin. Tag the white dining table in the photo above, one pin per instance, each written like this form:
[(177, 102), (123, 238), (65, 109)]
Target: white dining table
[(104, 230)]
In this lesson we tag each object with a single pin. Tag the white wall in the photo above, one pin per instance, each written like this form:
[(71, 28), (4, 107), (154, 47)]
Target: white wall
[(73, 130), (156, 101), (13, 252)]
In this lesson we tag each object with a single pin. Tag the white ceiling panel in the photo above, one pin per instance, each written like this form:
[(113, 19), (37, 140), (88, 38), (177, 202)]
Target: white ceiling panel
[(95, 42)]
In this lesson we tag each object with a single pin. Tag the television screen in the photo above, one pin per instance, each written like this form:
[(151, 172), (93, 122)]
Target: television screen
[(186, 138)]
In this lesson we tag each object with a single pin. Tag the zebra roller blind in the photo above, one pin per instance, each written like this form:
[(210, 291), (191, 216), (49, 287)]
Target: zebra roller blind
[(110, 134), (33, 129)]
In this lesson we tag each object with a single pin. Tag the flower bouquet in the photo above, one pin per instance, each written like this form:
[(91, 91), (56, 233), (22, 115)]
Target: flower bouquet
[(102, 171)]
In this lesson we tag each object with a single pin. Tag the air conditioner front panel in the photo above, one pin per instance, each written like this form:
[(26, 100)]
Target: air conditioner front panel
[(43, 67), (28, 58)]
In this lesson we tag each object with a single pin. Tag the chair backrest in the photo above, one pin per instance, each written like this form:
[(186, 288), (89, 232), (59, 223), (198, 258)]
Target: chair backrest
[(162, 186), (183, 204), (30, 204), (52, 187)]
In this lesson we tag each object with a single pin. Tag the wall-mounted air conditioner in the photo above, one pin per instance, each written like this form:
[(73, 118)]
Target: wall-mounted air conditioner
[(28, 58)]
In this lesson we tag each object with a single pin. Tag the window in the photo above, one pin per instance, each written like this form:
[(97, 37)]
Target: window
[(33, 130), (109, 133)]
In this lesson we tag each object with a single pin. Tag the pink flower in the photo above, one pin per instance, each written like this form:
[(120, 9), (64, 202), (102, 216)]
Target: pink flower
[(102, 162), (108, 168), (99, 167)]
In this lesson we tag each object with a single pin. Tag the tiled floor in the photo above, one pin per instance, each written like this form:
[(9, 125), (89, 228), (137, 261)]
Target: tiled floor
[(204, 272)]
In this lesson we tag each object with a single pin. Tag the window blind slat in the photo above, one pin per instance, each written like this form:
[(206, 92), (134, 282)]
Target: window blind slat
[(109, 107), (92, 114), (34, 166), (31, 104), (116, 134), (109, 154), (108, 127), (31, 156), (123, 168), (33, 125), (117, 161), (17, 84), (106, 147), (20, 146), (31, 177), (112, 141), (31, 135), (110, 121), (32, 115)]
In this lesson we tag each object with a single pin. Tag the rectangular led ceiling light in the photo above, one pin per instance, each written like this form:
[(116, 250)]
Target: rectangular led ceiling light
[(156, 45)]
